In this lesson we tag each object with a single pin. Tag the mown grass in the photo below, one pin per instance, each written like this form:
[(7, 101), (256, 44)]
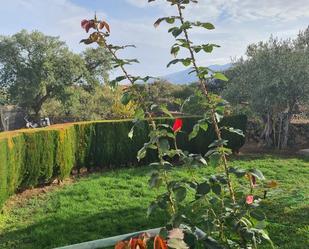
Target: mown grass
[(115, 202)]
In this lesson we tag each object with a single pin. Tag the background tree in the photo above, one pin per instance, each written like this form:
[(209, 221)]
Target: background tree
[(162, 92), (274, 81), (3, 97), (35, 67), (101, 103)]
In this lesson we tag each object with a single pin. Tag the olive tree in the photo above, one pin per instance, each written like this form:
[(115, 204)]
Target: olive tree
[(274, 81), (35, 68)]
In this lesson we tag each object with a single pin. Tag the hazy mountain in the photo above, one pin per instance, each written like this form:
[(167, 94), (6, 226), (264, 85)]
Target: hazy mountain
[(183, 77)]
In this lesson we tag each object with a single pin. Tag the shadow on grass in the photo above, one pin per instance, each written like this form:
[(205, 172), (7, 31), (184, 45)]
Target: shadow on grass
[(55, 232)]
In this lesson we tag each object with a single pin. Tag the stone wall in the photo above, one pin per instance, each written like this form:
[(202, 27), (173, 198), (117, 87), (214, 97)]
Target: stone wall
[(299, 134), (11, 118)]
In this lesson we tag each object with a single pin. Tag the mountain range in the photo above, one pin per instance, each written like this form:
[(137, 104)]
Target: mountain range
[(183, 77)]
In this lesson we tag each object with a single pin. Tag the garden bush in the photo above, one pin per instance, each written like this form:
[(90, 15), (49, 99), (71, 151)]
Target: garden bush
[(32, 157)]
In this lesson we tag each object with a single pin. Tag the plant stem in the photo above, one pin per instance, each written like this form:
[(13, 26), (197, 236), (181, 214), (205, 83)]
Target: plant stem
[(151, 123), (169, 193), (121, 66), (213, 116)]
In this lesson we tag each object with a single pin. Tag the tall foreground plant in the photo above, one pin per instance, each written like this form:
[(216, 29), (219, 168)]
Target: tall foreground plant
[(220, 211)]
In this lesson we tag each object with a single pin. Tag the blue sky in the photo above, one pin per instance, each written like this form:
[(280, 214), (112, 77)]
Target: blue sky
[(238, 23)]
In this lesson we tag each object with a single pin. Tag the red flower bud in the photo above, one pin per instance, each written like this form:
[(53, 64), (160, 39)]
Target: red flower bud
[(177, 125)]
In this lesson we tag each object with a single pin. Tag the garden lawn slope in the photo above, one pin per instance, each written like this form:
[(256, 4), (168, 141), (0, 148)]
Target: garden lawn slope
[(32, 157), (115, 202)]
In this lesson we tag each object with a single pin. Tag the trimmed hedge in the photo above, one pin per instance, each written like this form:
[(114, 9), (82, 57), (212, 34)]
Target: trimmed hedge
[(32, 157)]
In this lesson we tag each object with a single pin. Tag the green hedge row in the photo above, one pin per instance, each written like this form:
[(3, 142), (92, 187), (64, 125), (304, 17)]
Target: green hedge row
[(32, 157)]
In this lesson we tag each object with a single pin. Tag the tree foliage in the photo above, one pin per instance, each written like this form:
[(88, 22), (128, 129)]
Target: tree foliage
[(35, 68), (98, 103), (274, 81)]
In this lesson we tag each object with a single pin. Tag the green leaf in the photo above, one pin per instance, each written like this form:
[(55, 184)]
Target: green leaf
[(180, 193), (266, 237), (173, 62), (170, 20), (216, 188), (186, 62), (126, 97), (165, 110), (258, 215), (175, 50), (139, 114), (176, 32), (131, 132), (208, 48), (155, 180), (257, 173), (155, 164), (203, 125), (186, 25), (152, 207), (164, 144), (220, 76), (194, 132), (208, 25), (203, 188), (238, 172), (236, 131), (141, 153), (218, 143), (197, 49), (202, 160)]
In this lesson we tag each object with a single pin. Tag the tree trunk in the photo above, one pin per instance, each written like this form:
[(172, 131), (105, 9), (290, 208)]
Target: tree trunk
[(280, 131), (266, 135), (37, 116), (3, 121), (286, 128), (2, 128), (38, 106)]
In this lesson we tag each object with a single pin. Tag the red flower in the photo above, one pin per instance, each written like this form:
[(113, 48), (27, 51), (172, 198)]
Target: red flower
[(177, 125), (249, 199), (87, 24)]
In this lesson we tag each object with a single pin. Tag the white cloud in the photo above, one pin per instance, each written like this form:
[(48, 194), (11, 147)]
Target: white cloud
[(241, 10), (238, 23), (53, 17), (138, 3)]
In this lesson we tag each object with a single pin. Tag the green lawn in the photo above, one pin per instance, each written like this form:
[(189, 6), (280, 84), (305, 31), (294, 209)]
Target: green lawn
[(115, 202)]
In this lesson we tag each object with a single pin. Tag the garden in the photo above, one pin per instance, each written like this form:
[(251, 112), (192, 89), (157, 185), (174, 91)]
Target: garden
[(218, 164), (115, 202)]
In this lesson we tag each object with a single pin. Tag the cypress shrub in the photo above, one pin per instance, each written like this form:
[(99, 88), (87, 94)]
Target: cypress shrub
[(3, 171), (32, 157), (85, 145), (39, 161), (65, 151), (15, 163)]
